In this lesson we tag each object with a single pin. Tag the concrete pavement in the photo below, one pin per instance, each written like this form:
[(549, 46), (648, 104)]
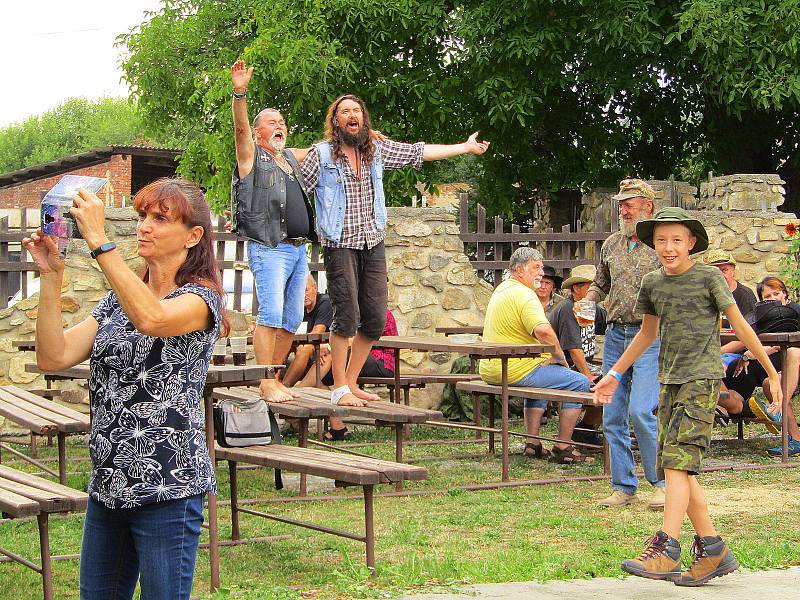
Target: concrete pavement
[(756, 585)]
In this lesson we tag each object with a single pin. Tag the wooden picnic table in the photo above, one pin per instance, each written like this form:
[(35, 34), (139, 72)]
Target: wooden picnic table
[(218, 376), (474, 350), (784, 341), (42, 417), (460, 330), (315, 403)]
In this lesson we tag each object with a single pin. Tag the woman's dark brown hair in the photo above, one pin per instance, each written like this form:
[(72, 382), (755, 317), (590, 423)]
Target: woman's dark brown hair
[(185, 201), (366, 148)]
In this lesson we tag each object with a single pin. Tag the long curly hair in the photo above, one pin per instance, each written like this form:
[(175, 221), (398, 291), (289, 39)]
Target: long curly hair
[(185, 200), (366, 148)]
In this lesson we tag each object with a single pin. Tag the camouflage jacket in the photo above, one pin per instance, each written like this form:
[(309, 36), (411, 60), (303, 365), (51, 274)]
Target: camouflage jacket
[(619, 276)]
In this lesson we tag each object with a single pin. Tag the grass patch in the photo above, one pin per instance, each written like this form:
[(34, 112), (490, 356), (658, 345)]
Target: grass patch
[(446, 540)]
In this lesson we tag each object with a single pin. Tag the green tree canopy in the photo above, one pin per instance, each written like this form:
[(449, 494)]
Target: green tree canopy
[(571, 93), (76, 125)]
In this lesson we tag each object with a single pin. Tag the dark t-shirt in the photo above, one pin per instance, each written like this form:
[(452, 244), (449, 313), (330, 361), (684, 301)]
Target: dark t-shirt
[(571, 335), (297, 222), (321, 314), (745, 298)]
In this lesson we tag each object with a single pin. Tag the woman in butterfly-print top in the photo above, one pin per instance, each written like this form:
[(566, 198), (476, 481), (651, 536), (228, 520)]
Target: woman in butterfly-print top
[(149, 342)]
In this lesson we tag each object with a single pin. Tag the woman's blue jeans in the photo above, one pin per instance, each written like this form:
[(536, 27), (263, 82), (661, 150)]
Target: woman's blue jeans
[(634, 401), (156, 543)]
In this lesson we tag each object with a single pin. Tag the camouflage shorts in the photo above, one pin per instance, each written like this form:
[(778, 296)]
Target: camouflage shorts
[(685, 419)]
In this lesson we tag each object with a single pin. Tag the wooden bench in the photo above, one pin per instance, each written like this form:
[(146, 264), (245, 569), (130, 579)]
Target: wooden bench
[(415, 380), (345, 470), (24, 495), (476, 388), (42, 417), (315, 403)]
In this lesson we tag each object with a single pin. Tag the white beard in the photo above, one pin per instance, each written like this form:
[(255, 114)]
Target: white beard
[(277, 144)]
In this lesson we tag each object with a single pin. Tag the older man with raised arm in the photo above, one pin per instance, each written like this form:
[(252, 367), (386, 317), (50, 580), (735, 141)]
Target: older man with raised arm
[(624, 261), (346, 172), (271, 208)]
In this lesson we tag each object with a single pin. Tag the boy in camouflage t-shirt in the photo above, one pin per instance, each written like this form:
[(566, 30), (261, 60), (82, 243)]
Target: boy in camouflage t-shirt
[(681, 303)]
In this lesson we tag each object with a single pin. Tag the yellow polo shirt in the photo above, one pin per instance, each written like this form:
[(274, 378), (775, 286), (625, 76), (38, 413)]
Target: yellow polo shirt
[(514, 311)]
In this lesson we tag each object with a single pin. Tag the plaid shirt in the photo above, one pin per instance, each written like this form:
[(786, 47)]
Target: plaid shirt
[(359, 229)]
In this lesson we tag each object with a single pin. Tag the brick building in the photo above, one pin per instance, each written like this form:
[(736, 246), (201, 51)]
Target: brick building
[(128, 169)]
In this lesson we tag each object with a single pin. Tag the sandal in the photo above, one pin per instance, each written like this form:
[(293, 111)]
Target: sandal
[(336, 435), (568, 456), (535, 451)]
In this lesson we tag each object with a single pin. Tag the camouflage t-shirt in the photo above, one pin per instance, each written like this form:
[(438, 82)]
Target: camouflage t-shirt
[(688, 306)]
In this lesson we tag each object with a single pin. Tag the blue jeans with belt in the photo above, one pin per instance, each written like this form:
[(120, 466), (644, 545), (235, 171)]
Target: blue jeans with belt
[(156, 543), (634, 401)]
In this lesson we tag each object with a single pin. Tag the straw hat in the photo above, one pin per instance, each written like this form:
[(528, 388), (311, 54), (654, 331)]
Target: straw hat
[(580, 274)]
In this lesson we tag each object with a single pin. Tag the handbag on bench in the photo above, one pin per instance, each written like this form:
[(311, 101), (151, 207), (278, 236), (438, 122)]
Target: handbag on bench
[(247, 422)]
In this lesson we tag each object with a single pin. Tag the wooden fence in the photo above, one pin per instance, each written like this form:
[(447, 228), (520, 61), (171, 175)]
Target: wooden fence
[(489, 251)]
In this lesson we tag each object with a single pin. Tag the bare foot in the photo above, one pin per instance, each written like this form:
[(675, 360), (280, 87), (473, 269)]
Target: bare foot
[(356, 391), (286, 390), (351, 400), (271, 392)]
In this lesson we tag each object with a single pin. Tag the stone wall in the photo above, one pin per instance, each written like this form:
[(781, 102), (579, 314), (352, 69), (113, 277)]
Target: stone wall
[(743, 192), (431, 284)]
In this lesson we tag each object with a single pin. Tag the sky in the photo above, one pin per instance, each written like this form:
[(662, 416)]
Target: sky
[(51, 50)]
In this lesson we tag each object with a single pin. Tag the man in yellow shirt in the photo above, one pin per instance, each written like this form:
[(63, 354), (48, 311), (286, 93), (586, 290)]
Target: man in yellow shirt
[(515, 315)]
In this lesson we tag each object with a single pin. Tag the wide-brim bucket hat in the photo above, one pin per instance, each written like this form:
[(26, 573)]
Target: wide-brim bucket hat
[(580, 274), (673, 214)]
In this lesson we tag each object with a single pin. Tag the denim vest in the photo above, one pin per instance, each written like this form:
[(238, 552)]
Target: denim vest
[(330, 198), (258, 203)]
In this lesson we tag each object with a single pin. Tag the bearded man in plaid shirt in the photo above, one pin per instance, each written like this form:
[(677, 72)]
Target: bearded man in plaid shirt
[(346, 172)]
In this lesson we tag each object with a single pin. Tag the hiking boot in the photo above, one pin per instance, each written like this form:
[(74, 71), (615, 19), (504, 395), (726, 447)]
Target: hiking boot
[(660, 560), (759, 409), (656, 501), (618, 498), (712, 558), (794, 448)]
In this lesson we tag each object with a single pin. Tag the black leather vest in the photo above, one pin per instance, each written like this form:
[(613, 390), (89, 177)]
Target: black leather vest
[(258, 201)]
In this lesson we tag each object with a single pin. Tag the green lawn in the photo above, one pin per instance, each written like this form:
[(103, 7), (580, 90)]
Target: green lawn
[(450, 537)]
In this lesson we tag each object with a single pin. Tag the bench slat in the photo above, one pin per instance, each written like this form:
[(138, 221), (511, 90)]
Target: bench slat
[(69, 413), (21, 416), (64, 424), (532, 393), (77, 497), (349, 469), (48, 502), (16, 505)]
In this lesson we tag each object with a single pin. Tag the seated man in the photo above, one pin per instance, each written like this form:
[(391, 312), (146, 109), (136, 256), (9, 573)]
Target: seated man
[(379, 363), (744, 296), (743, 375), (515, 315), (318, 315), (546, 289), (579, 343)]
